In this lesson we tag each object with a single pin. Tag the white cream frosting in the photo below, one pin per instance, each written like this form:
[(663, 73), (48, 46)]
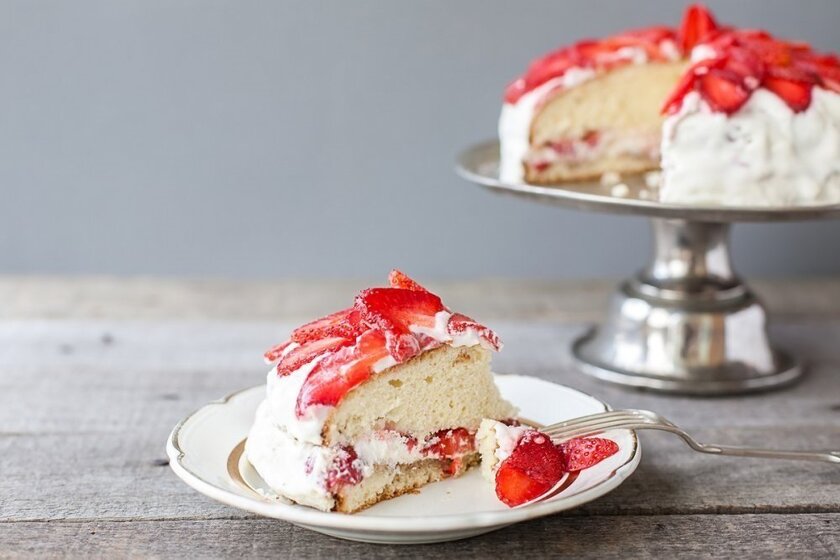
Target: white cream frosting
[(765, 154)]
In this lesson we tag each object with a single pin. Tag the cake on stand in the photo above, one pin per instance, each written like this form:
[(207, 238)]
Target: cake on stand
[(686, 323)]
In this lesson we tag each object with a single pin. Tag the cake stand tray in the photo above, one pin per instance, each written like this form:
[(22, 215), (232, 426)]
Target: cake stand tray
[(685, 323)]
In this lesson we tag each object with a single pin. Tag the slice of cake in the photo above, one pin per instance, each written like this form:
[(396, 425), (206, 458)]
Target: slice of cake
[(524, 464), (376, 400), (732, 116)]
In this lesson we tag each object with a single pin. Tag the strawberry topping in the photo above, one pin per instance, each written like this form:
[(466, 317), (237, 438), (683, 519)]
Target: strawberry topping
[(596, 54), (394, 310), (459, 324), (307, 352), (399, 279), (531, 470), (582, 453), (344, 324), (335, 375), (744, 60), (698, 23), (385, 327)]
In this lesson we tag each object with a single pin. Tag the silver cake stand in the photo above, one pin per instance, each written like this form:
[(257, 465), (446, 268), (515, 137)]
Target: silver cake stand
[(685, 323)]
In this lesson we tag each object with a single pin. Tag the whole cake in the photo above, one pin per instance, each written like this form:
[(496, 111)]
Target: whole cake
[(376, 400), (731, 116)]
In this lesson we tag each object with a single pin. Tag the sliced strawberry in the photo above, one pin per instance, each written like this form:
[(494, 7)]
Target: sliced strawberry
[(450, 443), (344, 469), (797, 94), (722, 90), (582, 453), (532, 469), (344, 324), (697, 24), (274, 353), (686, 84), (394, 310), (340, 372), (399, 279), (459, 324), (307, 352)]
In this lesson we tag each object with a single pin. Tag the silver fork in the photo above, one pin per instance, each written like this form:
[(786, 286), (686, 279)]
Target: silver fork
[(647, 420)]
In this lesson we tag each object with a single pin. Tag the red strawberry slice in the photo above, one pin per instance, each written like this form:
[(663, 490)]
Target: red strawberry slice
[(697, 24), (723, 91), (450, 443), (797, 94), (399, 279), (459, 324), (274, 353), (307, 352), (686, 84), (344, 324), (394, 310), (582, 453), (340, 372), (534, 467), (344, 469)]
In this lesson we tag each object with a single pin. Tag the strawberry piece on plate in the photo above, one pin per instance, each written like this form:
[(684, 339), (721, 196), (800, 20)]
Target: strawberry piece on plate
[(534, 467), (334, 376), (394, 310), (343, 324), (697, 25), (399, 279), (460, 323), (582, 453), (797, 94), (307, 352)]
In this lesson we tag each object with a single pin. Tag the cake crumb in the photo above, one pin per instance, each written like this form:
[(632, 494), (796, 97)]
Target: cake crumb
[(620, 189), (653, 179), (610, 178)]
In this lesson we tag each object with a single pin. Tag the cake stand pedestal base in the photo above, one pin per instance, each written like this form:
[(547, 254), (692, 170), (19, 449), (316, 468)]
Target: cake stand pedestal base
[(686, 323)]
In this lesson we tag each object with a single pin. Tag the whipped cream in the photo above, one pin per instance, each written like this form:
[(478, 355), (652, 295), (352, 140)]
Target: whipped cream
[(765, 154), (496, 441), (295, 469)]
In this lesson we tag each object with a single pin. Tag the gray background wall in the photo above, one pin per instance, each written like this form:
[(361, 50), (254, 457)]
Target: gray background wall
[(301, 139)]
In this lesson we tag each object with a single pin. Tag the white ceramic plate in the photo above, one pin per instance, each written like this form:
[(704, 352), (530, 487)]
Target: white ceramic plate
[(205, 451)]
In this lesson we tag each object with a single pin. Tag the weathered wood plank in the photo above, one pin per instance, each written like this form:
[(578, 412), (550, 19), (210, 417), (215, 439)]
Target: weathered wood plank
[(603, 537), (85, 408), (32, 297)]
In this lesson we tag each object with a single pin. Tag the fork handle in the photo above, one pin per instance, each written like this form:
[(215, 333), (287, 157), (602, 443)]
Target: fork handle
[(824, 456)]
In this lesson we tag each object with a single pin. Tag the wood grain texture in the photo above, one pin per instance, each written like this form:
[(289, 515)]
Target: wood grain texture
[(86, 404), (813, 536), (45, 297)]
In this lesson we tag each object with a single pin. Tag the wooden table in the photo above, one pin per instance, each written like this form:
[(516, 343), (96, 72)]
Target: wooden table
[(94, 372)]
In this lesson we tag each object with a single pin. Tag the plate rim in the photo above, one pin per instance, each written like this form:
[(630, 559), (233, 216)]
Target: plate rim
[(304, 515)]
